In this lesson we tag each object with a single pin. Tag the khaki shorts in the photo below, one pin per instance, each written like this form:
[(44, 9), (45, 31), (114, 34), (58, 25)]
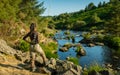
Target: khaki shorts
[(36, 49)]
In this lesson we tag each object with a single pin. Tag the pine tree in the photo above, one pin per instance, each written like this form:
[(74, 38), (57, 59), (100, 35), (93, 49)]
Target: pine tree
[(91, 6), (100, 4), (31, 8)]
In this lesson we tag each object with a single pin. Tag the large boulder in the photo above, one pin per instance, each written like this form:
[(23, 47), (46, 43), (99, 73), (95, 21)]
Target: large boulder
[(63, 49), (91, 45), (5, 49), (64, 67)]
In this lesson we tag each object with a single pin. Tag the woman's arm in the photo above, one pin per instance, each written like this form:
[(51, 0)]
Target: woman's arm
[(24, 38)]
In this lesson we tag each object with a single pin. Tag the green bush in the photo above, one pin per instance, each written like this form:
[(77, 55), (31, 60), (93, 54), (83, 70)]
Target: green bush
[(74, 60), (51, 35), (96, 67), (67, 32), (113, 42), (24, 46), (49, 48), (99, 38), (78, 49), (73, 38), (86, 36), (116, 42)]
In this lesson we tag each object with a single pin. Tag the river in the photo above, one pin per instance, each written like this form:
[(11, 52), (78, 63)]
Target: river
[(96, 54)]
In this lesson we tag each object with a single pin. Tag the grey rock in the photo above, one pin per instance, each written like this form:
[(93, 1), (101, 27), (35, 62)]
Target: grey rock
[(63, 49), (5, 49), (91, 45)]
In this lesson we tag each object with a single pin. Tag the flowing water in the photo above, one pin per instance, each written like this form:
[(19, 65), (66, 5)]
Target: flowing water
[(99, 54)]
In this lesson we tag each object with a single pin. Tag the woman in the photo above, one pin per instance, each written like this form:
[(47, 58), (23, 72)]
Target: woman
[(34, 45)]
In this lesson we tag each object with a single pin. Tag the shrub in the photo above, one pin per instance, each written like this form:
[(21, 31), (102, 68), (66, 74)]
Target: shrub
[(113, 42), (78, 49), (51, 35), (86, 36), (49, 48), (74, 60), (67, 32), (95, 66), (99, 38), (24, 46), (73, 38)]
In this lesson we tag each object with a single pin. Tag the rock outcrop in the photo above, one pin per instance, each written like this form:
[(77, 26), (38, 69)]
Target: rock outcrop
[(64, 67), (5, 49), (19, 61)]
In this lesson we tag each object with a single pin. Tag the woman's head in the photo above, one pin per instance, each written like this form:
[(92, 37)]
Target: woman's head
[(32, 26)]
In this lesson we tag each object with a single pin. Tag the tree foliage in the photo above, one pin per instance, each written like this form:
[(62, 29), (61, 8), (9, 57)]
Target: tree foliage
[(18, 14), (31, 9), (94, 19), (90, 6), (9, 9), (113, 24), (103, 16)]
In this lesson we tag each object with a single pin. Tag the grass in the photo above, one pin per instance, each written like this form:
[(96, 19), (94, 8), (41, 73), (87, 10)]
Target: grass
[(94, 67), (24, 46), (49, 48), (74, 60)]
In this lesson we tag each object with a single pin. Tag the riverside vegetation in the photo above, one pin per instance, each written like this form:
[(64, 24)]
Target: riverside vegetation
[(17, 15), (103, 18)]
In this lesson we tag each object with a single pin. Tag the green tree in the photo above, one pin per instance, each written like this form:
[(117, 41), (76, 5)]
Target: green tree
[(100, 4), (113, 25), (8, 9), (78, 25), (91, 6), (31, 8), (114, 1), (94, 19)]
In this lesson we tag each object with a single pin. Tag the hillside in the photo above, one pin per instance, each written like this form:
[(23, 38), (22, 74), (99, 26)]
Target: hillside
[(100, 17)]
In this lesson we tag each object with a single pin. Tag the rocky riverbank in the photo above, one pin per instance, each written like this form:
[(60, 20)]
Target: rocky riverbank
[(15, 62)]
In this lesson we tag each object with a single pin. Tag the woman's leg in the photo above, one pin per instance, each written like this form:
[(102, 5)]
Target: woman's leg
[(32, 56), (41, 52)]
